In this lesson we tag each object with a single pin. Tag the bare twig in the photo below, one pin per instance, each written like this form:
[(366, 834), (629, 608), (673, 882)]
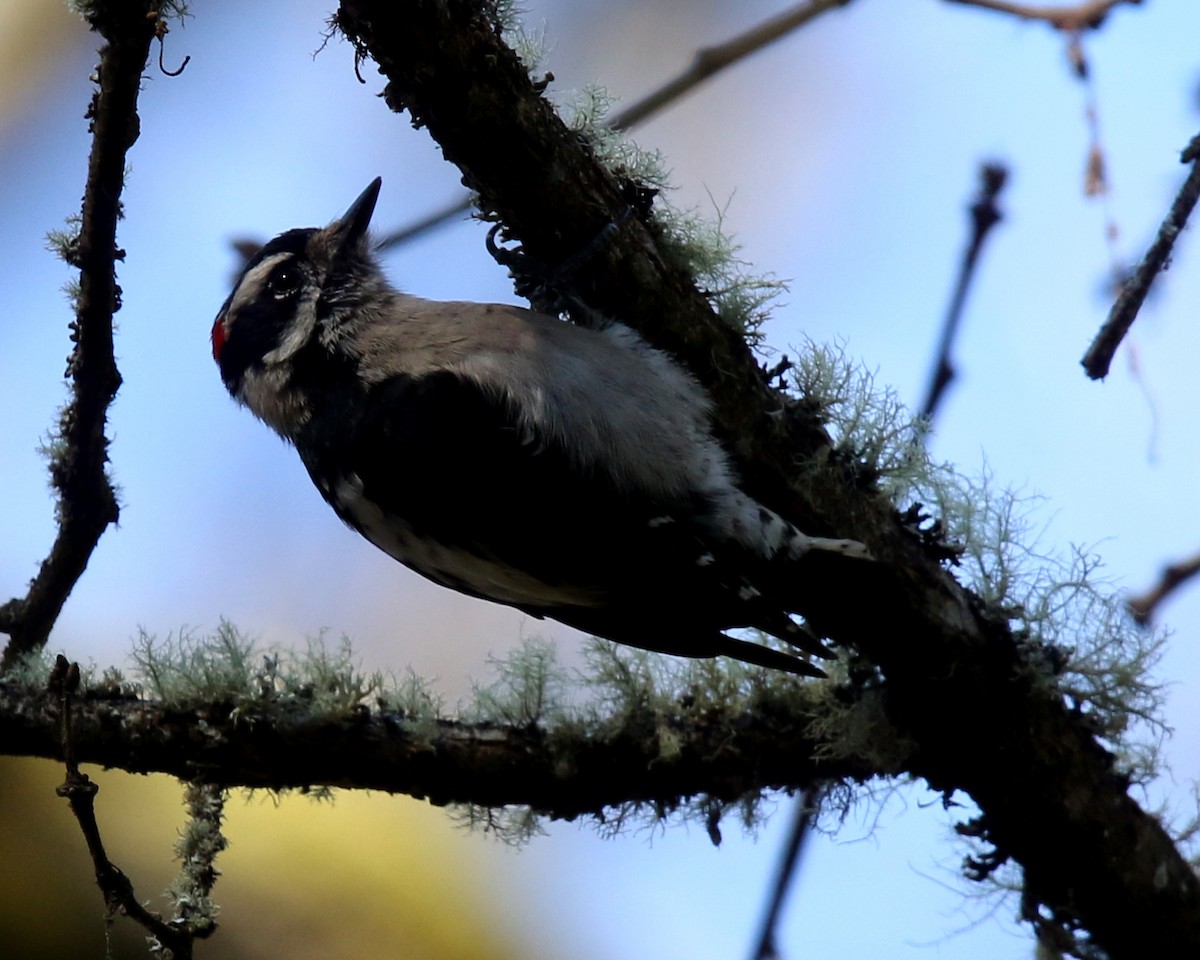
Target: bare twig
[(806, 805), (706, 62), (178, 71), (710, 60), (1144, 606), (984, 215), (1098, 359), (429, 222), (87, 503), (1082, 16), (80, 792), (161, 29)]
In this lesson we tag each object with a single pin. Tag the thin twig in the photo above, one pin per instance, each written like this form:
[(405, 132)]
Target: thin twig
[(449, 212), (87, 502), (765, 948), (710, 60), (1083, 16), (178, 70), (706, 62), (1144, 606), (161, 29), (984, 215), (1098, 359), (80, 792)]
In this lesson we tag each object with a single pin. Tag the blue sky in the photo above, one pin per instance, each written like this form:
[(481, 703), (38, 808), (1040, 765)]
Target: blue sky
[(842, 159)]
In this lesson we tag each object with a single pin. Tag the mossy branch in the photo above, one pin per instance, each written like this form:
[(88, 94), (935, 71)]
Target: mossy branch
[(565, 770)]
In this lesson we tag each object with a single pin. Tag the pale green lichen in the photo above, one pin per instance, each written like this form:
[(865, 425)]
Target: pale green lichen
[(227, 665), (187, 667), (530, 46), (1077, 633), (415, 701), (64, 243), (741, 297), (514, 825), (625, 692), (867, 422), (586, 112), (695, 243), (199, 843), (629, 688), (528, 689), (857, 726)]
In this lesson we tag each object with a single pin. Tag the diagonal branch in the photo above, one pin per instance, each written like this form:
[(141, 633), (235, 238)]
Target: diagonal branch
[(710, 60), (984, 215), (1133, 293), (987, 721), (1145, 605), (87, 502), (802, 823)]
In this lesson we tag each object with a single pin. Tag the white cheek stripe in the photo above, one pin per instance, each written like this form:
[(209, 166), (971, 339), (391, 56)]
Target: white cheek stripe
[(299, 332), (251, 288), (252, 283)]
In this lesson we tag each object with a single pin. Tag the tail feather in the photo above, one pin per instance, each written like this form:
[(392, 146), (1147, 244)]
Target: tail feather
[(801, 543), (765, 657), (796, 635)]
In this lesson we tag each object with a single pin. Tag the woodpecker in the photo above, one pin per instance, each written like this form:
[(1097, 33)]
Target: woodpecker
[(569, 472)]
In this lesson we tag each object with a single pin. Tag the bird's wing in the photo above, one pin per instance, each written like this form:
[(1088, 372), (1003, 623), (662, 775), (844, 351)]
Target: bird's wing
[(438, 474), (441, 475)]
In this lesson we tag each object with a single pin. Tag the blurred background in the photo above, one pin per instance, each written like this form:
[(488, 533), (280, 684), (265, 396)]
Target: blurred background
[(843, 159)]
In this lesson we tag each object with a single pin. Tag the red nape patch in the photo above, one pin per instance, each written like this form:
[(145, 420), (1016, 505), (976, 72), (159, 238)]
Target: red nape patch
[(218, 338)]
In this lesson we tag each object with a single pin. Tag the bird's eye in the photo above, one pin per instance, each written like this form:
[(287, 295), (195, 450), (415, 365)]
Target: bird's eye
[(284, 283)]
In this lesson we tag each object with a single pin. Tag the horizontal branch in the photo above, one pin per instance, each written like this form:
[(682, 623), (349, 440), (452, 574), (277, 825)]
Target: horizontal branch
[(562, 773)]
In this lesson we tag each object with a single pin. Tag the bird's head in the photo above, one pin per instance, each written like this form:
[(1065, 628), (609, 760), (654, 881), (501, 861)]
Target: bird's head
[(294, 299)]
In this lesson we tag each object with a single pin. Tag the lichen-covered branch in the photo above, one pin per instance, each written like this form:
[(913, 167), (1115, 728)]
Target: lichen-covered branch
[(562, 771), (87, 503), (983, 708)]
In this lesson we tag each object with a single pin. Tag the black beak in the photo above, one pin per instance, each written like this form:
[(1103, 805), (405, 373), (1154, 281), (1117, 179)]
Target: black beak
[(351, 228)]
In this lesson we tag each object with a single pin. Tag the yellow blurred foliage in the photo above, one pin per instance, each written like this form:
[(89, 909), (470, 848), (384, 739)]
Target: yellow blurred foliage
[(364, 875)]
